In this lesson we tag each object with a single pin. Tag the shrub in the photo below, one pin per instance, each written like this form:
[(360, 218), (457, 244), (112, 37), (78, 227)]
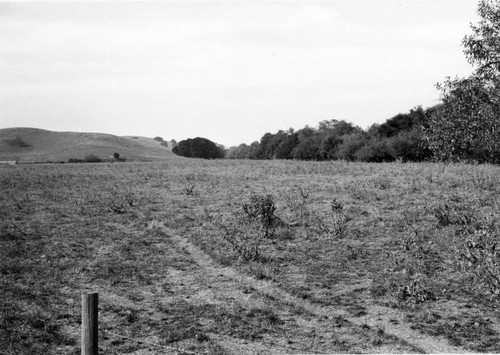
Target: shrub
[(480, 256), (297, 204), (415, 293), (260, 222), (338, 227), (158, 139), (17, 142), (334, 226), (376, 152), (198, 148), (261, 210), (92, 158)]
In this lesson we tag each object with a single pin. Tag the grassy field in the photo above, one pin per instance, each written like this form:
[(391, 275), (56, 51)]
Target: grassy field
[(378, 258)]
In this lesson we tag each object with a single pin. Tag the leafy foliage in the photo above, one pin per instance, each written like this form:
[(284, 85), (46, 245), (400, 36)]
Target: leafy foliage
[(467, 125), (198, 148), (399, 138)]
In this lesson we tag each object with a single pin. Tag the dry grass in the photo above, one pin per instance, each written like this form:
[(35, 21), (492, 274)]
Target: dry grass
[(365, 257), (32, 145)]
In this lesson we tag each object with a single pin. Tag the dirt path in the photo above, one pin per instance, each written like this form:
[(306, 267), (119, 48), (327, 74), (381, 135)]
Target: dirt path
[(228, 284)]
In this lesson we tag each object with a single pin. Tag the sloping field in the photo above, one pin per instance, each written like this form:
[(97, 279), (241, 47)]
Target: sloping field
[(360, 258), (28, 145)]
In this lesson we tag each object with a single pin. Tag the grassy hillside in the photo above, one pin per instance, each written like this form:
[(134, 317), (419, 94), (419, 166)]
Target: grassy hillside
[(29, 145)]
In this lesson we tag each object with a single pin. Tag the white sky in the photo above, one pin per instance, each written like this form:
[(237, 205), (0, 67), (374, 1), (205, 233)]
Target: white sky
[(228, 71)]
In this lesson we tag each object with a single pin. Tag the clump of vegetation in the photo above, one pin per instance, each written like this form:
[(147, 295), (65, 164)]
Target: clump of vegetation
[(92, 158), (297, 204), (459, 214), (17, 142), (465, 126), (415, 293), (399, 138), (334, 226), (259, 223), (158, 139), (199, 148), (338, 219), (261, 210), (480, 256)]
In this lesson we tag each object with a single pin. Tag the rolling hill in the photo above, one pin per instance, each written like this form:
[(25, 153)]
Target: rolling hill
[(33, 145)]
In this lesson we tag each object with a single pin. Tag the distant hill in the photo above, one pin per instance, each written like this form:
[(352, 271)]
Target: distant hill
[(31, 145)]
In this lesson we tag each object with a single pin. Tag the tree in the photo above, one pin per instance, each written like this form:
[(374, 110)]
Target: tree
[(308, 146), (351, 143), (116, 156), (285, 148), (375, 151), (482, 47), (467, 125), (198, 148), (402, 122)]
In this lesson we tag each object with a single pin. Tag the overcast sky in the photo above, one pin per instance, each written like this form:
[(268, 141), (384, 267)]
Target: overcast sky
[(228, 71)]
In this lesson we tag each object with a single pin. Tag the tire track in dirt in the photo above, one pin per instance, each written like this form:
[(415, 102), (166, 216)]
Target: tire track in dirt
[(376, 317)]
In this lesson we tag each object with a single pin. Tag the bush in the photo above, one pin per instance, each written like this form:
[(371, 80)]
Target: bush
[(375, 152), (17, 142), (198, 148), (260, 223), (480, 256), (158, 139), (92, 158)]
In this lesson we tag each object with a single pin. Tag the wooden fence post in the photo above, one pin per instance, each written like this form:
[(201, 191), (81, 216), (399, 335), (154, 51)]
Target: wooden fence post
[(89, 323)]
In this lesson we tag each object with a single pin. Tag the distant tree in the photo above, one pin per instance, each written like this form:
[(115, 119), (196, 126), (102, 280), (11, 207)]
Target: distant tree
[(116, 156), (286, 147), (401, 122), (308, 146), (375, 151), (467, 124), (198, 148), (410, 146), (158, 139), (265, 150), (351, 143), (332, 133)]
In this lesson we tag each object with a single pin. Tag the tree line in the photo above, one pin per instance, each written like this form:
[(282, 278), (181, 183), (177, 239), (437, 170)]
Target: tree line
[(399, 138), (465, 126)]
